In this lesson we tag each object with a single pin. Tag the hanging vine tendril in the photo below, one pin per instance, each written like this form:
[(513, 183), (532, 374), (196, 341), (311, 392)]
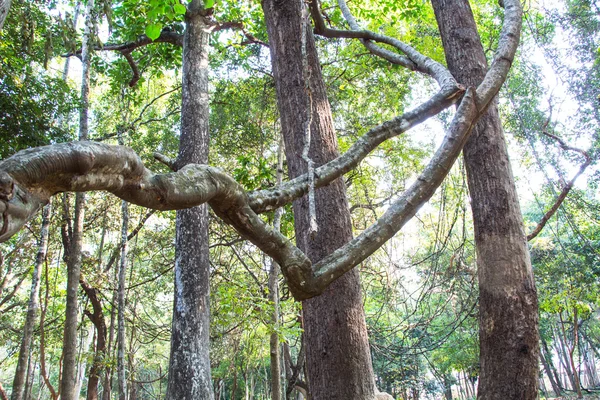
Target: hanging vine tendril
[(305, 21)]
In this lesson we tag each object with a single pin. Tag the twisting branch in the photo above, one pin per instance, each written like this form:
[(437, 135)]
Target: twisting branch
[(166, 36), (29, 178), (33, 176), (566, 188), (412, 59), (239, 26), (265, 200), (134, 68)]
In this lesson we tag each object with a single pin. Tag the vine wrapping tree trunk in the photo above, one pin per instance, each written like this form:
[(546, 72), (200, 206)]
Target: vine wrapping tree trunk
[(508, 321), (337, 348), (189, 365)]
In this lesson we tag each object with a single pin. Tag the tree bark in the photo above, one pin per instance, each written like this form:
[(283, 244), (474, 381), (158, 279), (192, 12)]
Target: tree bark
[(69, 371), (546, 355), (4, 9), (337, 348), (33, 308), (274, 353), (121, 378), (97, 318), (189, 365), (508, 322)]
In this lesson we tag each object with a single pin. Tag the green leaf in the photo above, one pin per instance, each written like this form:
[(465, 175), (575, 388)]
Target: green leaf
[(179, 9), (153, 31), (209, 3)]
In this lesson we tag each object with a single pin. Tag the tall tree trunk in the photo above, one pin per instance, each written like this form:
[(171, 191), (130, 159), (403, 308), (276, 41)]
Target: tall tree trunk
[(69, 371), (571, 350), (189, 365), (448, 386), (107, 381), (547, 355), (337, 348), (121, 379), (274, 352), (508, 321), (32, 309), (97, 318), (553, 383)]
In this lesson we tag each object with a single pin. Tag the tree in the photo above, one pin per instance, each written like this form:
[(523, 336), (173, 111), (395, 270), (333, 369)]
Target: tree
[(74, 238), (189, 365), (337, 348), (508, 319), (89, 166)]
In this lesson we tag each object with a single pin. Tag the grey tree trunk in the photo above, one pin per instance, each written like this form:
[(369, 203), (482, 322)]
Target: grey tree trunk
[(32, 309), (4, 9), (508, 322), (337, 348), (274, 353), (546, 356), (121, 379), (189, 365), (97, 318), (69, 371)]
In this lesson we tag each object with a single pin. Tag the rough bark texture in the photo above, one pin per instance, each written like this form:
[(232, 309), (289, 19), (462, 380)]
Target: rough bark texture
[(4, 9), (32, 310), (338, 356), (121, 302), (274, 351), (69, 372), (189, 366), (508, 333)]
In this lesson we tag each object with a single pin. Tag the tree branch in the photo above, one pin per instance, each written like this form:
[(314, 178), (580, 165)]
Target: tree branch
[(36, 174), (413, 60), (566, 189)]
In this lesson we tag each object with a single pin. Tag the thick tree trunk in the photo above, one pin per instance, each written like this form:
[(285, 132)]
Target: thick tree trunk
[(508, 325), (33, 308), (69, 371), (337, 348), (189, 365)]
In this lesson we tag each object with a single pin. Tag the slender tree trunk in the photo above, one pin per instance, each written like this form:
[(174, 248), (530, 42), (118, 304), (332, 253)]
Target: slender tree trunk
[(29, 379), (69, 371), (53, 394), (563, 353), (553, 383), (571, 350), (189, 365), (508, 322), (547, 354), (121, 379), (337, 348), (33, 308), (274, 296), (447, 387), (107, 382), (97, 318)]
